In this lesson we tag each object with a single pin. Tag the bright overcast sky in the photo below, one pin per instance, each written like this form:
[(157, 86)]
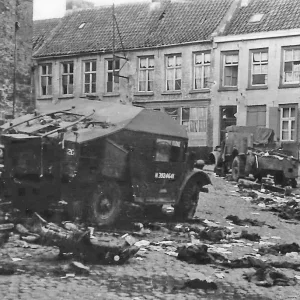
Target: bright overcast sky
[(46, 9)]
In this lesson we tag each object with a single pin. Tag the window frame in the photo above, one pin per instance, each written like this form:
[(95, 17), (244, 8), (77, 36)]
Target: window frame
[(114, 85), (179, 117), (202, 67), (90, 72), (283, 73), (224, 54), (169, 155), (289, 119), (147, 71), (194, 120), (260, 63), (173, 69), (68, 75), (47, 75)]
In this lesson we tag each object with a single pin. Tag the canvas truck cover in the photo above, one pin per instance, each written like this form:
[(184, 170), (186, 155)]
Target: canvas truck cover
[(116, 116), (261, 135)]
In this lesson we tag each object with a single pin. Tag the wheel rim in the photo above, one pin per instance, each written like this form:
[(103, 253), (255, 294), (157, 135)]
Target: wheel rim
[(235, 170), (103, 206)]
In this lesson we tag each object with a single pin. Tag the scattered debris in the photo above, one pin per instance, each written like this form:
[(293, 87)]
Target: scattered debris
[(245, 262), (197, 254), (79, 268), (220, 275), (6, 226), (21, 229), (200, 284), (4, 237), (142, 243), (7, 269), (30, 238), (268, 276), (273, 188), (250, 236), (14, 259), (79, 243), (243, 183), (280, 249), (242, 222), (129, 239), (214, 233), (70, 226)]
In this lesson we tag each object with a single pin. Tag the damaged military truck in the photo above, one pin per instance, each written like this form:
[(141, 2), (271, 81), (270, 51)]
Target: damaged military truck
[(252, 150), (96, 156)]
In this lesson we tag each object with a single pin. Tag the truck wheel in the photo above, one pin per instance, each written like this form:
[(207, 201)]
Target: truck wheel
[(106, 203), (293, 183), (153, 211), (238, 166), (188, 202)]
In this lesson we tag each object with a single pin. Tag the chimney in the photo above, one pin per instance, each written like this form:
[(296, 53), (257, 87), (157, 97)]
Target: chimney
[(155, 4), (73, 5), (245, 3)]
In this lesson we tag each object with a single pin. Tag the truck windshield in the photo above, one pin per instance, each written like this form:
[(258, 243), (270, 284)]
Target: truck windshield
[(169, 150)]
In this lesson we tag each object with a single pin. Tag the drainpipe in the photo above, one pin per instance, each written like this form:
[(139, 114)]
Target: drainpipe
[(17, 26)]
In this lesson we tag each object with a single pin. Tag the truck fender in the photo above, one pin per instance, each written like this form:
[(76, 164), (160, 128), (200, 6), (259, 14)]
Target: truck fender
[(214, 157), (199, 176)]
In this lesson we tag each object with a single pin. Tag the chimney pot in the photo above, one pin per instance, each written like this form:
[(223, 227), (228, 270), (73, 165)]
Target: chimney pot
[(244, 3)]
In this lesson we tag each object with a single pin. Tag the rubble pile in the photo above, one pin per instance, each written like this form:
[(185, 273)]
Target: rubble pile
[(269, 276), (198, 241), (273, 198)]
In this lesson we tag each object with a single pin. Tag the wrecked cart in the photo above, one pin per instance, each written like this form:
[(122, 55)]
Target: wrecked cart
[(96, 156), (251, 150)]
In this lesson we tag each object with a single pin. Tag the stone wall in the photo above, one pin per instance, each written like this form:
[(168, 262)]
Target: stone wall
[(16, 15)]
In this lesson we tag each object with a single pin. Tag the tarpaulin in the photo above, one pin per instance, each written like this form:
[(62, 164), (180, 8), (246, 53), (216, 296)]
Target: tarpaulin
[(261, 135)]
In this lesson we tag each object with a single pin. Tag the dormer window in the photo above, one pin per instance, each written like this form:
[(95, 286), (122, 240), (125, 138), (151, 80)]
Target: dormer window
[(256, 18), (81, 25)]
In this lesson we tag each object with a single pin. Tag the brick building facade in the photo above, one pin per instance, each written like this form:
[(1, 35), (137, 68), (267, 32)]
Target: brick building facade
[(15, 33), (150, 63)]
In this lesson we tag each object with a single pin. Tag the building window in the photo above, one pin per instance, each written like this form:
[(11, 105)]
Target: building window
[(256, 115), (291, 65), (194, 119), (259, 67), (67, 78), (90, 77), (173, 112), (46, 79), (173, 72), (112, 78), (201, 70), (146, 74), (230, 69), (288, 123)]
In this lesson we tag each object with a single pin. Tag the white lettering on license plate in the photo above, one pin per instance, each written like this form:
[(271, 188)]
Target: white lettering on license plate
[(164, 175)]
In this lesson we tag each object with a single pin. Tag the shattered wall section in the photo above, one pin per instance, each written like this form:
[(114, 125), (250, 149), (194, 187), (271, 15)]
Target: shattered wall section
[(15, 15)]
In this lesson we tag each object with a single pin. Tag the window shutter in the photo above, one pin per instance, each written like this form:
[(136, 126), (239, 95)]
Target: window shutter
[(274, 121)]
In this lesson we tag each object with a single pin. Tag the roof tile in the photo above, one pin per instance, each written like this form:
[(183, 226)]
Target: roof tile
[(140, 26), (279, 15), (41, 31)]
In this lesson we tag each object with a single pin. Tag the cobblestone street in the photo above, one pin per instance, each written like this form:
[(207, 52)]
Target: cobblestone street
[(155, 275)]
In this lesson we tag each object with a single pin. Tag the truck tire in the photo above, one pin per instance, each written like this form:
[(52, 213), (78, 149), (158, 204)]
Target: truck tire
[(106, 203), (188, 202), (293, 183), (238, 168), (153, 211)]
